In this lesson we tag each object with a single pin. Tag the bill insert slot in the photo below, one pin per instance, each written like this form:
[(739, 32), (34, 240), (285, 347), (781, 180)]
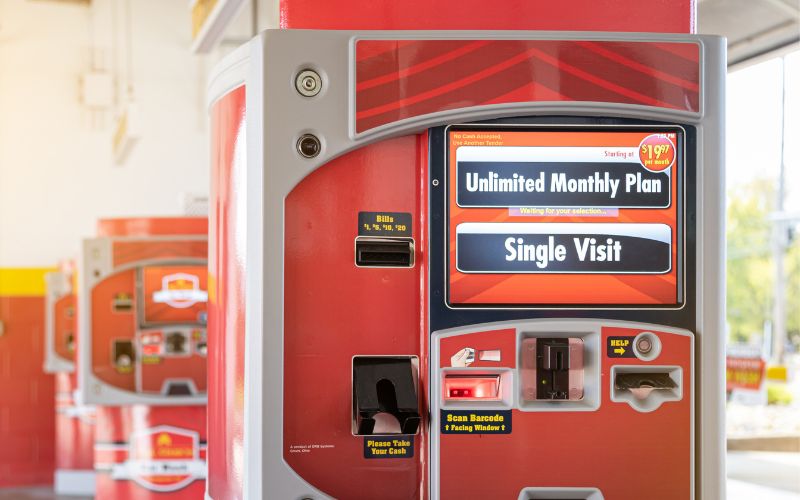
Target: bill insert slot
[(384, 252)]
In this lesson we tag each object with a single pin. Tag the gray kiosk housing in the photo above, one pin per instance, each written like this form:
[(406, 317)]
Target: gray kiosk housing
[(277, 115)]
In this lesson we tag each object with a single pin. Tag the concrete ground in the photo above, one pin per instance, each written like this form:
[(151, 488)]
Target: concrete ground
[(35, 493), (763, 475), (751, 475)]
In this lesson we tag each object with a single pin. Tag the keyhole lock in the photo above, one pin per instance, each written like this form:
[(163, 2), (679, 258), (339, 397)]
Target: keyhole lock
[(308, 83), (309, 145)]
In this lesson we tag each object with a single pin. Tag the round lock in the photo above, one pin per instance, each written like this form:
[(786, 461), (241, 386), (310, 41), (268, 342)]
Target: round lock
[(309, 146), (308, 83), (646, 346)]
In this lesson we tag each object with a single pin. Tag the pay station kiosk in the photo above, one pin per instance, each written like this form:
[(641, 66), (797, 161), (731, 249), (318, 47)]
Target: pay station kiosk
[(74, 427), (143, 295), (472, 264)]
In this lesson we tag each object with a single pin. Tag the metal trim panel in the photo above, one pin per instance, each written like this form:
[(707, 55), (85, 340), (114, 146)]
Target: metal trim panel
[(56, 286)]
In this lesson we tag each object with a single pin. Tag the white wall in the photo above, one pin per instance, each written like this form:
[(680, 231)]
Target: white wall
[(57, 175)]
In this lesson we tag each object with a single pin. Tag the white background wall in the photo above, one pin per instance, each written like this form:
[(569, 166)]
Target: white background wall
[(57, 174)]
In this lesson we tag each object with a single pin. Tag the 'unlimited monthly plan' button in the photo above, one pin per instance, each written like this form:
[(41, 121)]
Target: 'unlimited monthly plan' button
[(497, 247)]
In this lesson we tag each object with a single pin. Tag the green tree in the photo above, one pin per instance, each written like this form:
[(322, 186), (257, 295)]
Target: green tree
[(750, 264), (793, 287), (750, 271)]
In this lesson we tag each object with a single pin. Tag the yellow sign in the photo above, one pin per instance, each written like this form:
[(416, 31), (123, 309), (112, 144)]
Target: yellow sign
[(389, 446), (23, 281)]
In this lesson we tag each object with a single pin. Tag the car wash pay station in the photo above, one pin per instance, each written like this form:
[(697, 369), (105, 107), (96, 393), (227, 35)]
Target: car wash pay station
[(479, 259)]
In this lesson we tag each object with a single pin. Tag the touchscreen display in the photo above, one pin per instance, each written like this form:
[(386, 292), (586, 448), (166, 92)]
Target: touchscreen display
[(564, 216)]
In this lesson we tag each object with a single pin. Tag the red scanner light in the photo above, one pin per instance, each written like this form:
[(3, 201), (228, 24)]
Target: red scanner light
[(472, 387), (460, 393)]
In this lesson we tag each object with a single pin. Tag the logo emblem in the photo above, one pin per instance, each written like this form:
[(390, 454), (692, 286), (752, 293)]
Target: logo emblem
[(162, 458), (180, 290)]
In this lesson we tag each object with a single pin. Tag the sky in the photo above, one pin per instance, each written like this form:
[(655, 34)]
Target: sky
[(754, 125)]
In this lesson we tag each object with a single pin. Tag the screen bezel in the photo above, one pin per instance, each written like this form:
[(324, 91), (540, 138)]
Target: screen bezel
[(679, 202)]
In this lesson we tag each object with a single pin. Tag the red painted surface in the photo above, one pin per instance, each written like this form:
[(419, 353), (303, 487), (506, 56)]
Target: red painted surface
[(152, 434), (152, 226), (403, 79), (356, 311), (664, 16), (126, 252), (226, 298), (27, 411), (74, 427), (617, 449)]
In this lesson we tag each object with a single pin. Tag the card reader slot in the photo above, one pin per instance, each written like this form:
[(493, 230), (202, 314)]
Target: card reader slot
[(384, 252), (645, 387)]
